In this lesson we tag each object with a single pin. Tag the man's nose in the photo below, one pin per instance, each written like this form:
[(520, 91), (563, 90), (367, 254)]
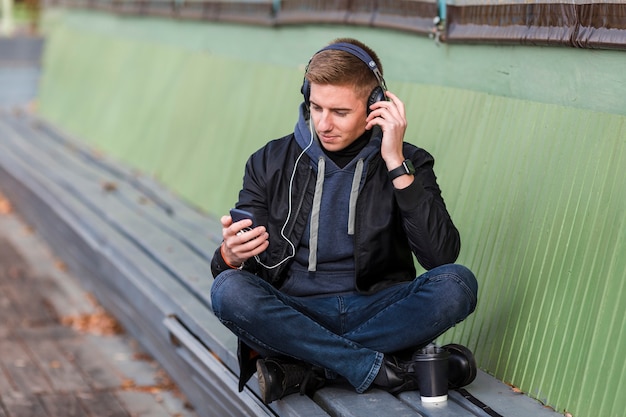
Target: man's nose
[(324, 122)]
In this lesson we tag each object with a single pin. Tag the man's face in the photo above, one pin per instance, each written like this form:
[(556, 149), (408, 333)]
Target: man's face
[(338, 115)]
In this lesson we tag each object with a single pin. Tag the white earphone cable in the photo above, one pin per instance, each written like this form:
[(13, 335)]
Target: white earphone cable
[(282, 230)]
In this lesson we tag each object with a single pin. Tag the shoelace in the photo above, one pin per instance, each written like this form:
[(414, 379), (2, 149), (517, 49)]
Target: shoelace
[(294, 374)]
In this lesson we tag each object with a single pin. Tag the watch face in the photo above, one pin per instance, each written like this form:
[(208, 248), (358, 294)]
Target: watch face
[(410, 169)]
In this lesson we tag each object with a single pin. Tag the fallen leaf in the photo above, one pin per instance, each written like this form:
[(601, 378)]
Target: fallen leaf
[(99, 323), (514, 388), (5, 205), (109, 186), (128, 383), (60, 265)]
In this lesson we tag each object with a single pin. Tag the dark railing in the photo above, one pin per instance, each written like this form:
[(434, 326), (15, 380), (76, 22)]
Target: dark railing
[(595, 25), (408, 15)]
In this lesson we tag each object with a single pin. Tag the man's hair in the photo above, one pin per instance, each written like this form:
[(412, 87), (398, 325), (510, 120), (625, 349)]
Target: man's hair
[(337, 67)]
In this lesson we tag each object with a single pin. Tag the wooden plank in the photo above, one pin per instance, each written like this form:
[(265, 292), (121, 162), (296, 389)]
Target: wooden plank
[(450, 408), (96, 367), (63, 404), (12, 264), (31, 307), (61, 372), (503, 399), (21, 369), (21, 300), (65, 296), (125, 360), (342, 401), (102, 404), (23, 405), (141, 404), (6, 388), (8, 309)]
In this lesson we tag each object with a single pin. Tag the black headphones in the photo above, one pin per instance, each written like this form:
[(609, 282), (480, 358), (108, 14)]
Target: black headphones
[(377, 94)]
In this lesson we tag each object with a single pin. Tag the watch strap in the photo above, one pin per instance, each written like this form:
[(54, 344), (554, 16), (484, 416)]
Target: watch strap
[(405, 169)]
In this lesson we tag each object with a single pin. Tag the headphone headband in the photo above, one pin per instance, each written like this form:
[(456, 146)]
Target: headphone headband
[(359, 53), (377, 94)]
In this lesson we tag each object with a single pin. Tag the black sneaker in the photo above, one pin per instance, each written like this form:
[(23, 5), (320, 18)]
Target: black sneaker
[(395, 376), (280, 377)]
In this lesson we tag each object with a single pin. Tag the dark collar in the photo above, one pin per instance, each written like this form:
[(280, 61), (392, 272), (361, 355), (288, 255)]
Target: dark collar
[(343, 157)]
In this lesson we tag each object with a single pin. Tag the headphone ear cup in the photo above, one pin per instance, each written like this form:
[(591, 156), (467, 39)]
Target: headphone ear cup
[(306, 92), (377, 94)]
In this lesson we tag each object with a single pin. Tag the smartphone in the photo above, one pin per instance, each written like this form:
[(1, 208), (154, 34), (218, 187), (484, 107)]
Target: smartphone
[(238, 214)]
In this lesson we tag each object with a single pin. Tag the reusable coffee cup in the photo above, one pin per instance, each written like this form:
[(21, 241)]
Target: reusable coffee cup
[(431, 372)]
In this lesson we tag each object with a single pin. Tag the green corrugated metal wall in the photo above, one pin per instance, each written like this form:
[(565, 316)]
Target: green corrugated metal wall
[(536, 187)]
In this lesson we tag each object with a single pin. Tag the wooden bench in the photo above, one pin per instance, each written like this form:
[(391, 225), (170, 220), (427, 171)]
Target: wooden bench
[(145, 255)]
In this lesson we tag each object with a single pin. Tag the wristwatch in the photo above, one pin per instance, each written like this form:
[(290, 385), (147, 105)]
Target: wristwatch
[(406, 168)]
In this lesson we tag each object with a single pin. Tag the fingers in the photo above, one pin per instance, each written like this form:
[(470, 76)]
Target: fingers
[(237, 227), (226, 221), (241, 242), (388, 114), (398, 103)]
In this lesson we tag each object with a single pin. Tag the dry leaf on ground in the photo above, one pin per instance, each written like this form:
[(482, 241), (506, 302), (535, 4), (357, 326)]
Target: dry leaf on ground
[(99, 323), (5, 205)]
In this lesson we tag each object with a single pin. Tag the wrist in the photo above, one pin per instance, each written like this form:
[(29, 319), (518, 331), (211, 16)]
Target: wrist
[(231, 266), (394, 162), (405, 168)]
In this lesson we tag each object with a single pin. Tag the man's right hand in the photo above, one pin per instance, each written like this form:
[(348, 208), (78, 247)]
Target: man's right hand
[(238, 247)]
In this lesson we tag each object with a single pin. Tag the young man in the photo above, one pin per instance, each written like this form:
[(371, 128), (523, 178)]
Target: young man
[(323, 284)]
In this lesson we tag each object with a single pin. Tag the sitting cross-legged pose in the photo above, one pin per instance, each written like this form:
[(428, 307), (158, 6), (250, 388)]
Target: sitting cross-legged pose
[(317, 279)]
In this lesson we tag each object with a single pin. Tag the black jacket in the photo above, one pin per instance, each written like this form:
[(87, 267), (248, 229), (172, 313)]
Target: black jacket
[(391, 224)]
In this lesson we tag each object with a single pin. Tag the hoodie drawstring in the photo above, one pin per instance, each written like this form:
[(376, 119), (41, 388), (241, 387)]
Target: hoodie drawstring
[(354, 195), (315, 214)]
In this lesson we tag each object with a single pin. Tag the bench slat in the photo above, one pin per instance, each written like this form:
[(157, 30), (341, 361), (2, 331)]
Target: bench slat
[(342, 401)]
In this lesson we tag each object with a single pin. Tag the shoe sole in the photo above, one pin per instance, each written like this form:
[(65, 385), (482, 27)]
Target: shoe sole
[(264, 384)]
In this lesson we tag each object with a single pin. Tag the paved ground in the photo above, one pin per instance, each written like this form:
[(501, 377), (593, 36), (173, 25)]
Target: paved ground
[(61, 355)]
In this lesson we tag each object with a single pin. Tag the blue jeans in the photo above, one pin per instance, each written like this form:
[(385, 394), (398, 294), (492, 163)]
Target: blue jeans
[(346, 334)]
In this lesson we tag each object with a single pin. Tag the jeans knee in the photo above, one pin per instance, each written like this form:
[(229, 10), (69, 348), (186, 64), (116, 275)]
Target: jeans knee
[(469, 279), (223, 292), (460, 285), (466, 279)]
